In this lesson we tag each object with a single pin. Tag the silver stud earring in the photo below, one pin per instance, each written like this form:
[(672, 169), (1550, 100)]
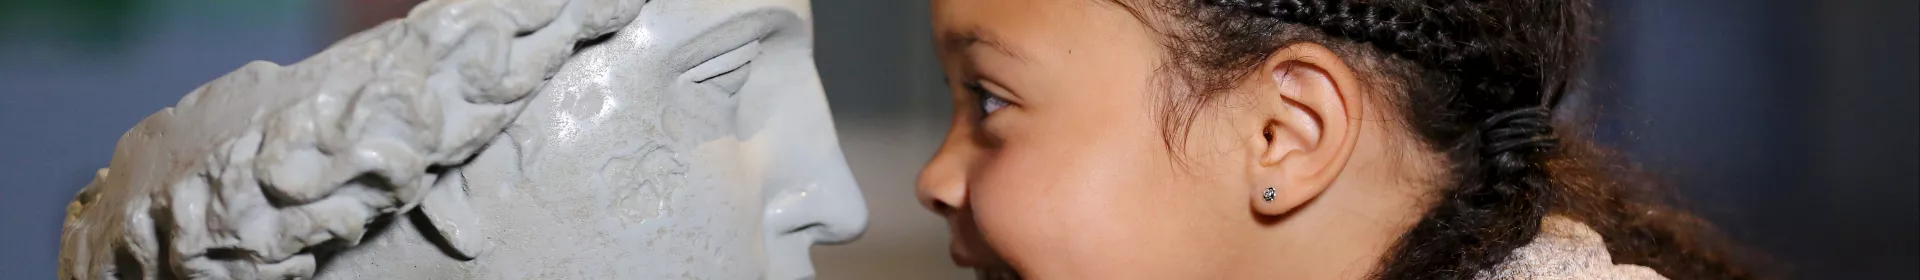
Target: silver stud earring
[(1267, 195)]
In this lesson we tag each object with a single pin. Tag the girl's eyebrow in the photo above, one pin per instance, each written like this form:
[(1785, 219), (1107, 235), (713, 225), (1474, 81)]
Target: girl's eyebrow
[(973, 37)]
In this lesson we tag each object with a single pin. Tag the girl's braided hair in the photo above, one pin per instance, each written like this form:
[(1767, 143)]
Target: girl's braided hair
[(1475, 80)]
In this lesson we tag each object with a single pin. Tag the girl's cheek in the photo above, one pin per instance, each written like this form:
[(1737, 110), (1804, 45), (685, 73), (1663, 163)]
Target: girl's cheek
[(1037, 211), (1004, 126)]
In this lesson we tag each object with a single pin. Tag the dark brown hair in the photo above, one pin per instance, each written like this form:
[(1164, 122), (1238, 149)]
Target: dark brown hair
[(1476, 81)]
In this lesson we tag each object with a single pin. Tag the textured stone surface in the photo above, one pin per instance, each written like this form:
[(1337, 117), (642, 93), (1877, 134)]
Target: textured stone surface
[(693, 143)]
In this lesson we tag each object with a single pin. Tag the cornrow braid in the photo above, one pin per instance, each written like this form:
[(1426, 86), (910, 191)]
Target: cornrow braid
[(1500, 186), (1476, 81), (1417, 34), (1465, 40)]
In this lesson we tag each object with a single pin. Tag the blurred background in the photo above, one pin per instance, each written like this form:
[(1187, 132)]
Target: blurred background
[(1792, 124)]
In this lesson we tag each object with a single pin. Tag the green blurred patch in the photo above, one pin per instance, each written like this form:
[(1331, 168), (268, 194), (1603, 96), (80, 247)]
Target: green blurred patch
[(89, 23)]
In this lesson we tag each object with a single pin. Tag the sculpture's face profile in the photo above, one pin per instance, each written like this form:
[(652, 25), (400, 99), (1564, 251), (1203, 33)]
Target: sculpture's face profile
[(695, 142)]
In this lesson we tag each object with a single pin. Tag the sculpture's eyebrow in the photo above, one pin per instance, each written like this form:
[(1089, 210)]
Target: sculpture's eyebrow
[(964, 40)]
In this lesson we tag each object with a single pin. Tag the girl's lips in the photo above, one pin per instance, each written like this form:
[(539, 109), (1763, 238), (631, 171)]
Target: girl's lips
[(985, 267), (959, 256), (969, 248), (1000, 273), (965, 249)]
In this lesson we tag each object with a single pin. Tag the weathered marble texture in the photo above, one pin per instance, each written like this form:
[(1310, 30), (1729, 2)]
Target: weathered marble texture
[(694, 142)]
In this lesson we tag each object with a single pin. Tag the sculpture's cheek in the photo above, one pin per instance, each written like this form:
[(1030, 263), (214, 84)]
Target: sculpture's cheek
[(642, 185)]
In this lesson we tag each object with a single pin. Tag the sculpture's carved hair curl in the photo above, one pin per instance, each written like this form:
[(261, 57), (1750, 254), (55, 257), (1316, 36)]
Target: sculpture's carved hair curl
[(251, 174)]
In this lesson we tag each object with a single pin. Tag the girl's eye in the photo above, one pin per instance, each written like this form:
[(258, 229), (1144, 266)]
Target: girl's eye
[(988, 101), (992, 103)]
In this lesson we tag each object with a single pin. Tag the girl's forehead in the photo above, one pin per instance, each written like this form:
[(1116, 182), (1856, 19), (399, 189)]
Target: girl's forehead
[(1028, 29)]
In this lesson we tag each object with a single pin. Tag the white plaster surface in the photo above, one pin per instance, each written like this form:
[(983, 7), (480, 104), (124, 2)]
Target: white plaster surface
[(693, 143)]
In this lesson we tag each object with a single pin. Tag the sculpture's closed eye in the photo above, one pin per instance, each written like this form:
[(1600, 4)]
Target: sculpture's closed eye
[(728, 72)]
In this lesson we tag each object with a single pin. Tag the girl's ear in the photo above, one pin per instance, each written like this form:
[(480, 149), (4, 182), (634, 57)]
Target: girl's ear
[(1307, 126)]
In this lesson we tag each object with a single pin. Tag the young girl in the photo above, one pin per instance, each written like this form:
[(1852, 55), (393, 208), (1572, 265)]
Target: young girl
[(1295, 139)]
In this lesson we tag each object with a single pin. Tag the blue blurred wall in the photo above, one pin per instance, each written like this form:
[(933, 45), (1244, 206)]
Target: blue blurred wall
[(69, 87), (1792, 124)]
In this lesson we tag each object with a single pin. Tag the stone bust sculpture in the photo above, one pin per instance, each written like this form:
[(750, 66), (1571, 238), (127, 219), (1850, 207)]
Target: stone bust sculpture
[(491, 139)]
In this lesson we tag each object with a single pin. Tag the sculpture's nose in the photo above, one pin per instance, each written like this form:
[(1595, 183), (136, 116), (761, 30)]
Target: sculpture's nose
[(842, 211), (829, 208)]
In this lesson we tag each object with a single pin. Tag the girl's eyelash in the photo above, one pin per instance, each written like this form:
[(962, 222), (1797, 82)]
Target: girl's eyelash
[(977, 89)]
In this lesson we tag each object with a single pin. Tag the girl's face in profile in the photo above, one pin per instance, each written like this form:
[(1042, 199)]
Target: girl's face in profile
[(1055, 164), (1133, 139)]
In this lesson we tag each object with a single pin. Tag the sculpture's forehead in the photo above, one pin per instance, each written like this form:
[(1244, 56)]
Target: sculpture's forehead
[(702, 13), (673, 35)]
